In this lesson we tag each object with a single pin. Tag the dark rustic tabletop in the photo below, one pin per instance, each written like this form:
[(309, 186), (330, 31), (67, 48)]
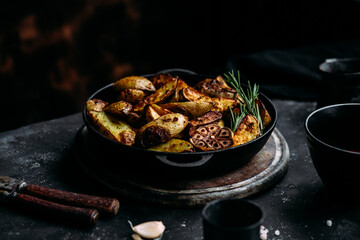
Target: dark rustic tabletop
[(297, 205)]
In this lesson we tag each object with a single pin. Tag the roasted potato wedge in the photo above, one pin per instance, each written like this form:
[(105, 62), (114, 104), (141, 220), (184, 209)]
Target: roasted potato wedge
[(160, 95), (192, 109), (151, 114), (161, 129), (174, 145), (154, 111), (223, 104), (264, 114), (160, 110), (134, 82), (119, 108), (132, 95), (215, 88), (220, 104), (160, 79), (113, 127), (247, 131), (191, 94), (97, 105)]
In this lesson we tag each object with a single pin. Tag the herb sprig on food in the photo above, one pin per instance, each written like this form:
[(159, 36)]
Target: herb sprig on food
[(249, 98)]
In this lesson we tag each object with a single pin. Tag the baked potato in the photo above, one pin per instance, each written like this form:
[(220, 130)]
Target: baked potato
[(248, 130), (134, 82), (113, 127), (132, 95), (120, 108), (174, 145), (192, 109), (159, 96), (161, 129)]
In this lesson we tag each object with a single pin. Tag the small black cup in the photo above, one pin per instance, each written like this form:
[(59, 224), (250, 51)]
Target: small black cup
[(340, 81), (232, 218)]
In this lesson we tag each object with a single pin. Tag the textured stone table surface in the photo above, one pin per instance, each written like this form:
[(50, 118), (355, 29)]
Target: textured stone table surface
[(298, 205)]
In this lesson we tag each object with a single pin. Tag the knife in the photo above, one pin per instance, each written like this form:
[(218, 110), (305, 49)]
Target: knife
[(11, 188), (81, 216)]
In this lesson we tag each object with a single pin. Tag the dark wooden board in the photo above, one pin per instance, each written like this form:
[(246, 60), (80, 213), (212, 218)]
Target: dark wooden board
[(260, 173)]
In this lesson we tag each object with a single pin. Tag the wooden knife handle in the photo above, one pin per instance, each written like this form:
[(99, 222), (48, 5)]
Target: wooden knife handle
[(81, 216), (109, 206)]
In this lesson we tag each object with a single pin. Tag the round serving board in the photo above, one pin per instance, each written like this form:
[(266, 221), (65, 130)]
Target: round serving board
[(260, 173)]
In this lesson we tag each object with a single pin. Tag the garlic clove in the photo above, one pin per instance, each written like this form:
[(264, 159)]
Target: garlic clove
[(151, 230), (136, 237)]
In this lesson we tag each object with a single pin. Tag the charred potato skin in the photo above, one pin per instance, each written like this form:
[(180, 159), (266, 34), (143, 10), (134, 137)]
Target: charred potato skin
[(161, 129), (215, 87)]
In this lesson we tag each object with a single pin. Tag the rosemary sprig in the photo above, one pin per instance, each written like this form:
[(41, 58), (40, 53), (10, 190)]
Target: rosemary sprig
[(249, 98), (236, 118)]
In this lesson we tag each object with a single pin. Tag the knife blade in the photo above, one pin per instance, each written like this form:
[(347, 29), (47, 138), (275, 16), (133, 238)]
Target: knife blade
[(106, 205)]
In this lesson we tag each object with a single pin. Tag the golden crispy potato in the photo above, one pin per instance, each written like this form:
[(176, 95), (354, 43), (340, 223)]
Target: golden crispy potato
[(132, 95), (150, 114), (119, 108), (160, 110), (223, 104), (113, 127), (247, 131), (177, 96), (174, 145), (264, 114), (96, 105), (159, 96), (220, 104), (191, 94), (192, 109), (161, 129), (154, 111), (134, 82), (160, 79)]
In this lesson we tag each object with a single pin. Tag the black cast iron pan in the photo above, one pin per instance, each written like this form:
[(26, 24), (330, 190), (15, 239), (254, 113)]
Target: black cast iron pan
[(117, 155)]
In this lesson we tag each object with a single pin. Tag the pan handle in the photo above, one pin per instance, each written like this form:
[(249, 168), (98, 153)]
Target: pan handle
[(203, 160)]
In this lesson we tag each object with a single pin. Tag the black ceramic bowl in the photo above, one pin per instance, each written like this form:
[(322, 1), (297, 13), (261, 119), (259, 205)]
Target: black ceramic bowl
[(232, 218), (333, 140), (119, 155)]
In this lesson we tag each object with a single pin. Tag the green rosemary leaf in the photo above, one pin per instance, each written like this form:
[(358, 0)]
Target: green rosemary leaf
[(236, 118), (249, 98)]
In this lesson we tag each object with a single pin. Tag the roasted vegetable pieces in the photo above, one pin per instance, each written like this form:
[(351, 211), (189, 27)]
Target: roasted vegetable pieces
[(164, 113)]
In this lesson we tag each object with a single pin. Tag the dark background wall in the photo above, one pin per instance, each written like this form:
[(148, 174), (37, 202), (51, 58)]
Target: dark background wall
[(54, 54)]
